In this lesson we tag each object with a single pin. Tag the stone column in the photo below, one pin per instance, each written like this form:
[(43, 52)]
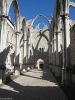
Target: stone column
[(53, 51), (56, 48), (59, 30), (3, 46), (25, 48), (29, 48), (0, 46), (56, 58), (17, 54), (28, 55), (17, 46), (49, 53), (21, 53), (68, 67), (53, 54), (49, 45), (3, 33), (58, 42), (66, 43)]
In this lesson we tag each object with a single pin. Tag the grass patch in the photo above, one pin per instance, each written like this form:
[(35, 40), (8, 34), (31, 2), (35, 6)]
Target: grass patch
[(1, 84), (8, 79), (13, 77)]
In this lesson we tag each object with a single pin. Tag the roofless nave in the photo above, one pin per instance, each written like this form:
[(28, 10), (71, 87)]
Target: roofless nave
[(21, 45)]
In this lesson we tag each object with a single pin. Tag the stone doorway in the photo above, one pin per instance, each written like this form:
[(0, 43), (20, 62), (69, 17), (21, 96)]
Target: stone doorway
[(40, 63)]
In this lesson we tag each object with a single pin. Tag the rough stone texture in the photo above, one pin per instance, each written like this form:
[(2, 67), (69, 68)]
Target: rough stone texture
[(73, 44)]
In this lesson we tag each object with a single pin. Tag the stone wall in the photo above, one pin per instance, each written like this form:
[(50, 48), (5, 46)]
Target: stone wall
[(40, 44), (72, 35)]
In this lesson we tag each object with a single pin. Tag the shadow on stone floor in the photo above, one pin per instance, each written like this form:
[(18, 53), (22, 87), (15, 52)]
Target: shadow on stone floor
[(20, 92), (31, 76), (46, 75), (32, 92), (69, 91)]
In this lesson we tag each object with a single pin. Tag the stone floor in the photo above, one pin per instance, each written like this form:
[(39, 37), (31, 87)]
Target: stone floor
[(33, 85)]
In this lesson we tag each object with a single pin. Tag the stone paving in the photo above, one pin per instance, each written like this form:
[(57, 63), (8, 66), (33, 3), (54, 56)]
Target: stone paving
[(33, 85)]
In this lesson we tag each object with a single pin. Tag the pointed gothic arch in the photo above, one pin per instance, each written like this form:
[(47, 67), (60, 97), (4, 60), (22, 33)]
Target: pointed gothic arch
[(38, 16), (6, 7)]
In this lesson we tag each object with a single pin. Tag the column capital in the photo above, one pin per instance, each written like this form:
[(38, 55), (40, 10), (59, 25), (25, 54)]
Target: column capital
[(17, 32), (25, 40), (64, 15)]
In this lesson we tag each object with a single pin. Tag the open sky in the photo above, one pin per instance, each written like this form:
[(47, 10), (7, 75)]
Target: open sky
[(30, 8)]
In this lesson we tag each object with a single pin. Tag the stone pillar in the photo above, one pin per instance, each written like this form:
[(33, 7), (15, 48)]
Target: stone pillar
[(17, 45), (68, 67), (67, 38), (3, 46), (53, 54), (59, 40), (64, 51), (21, 53), (28, 58), (66, 43), (54, 49), (56, 58), (17, 54), (0, 30), (28, 49), (3, 34), (57, 48), (49, 45), (58, 43), (25, 48), (49, 52)]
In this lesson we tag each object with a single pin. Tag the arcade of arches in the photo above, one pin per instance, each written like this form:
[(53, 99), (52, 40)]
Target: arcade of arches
[(23, 47)]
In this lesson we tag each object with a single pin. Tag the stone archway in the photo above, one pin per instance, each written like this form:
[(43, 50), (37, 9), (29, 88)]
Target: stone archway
[(41, 51), (49, 28), (40, 63), (43, 16), (6, 6), (7, 27), (4, 17)]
